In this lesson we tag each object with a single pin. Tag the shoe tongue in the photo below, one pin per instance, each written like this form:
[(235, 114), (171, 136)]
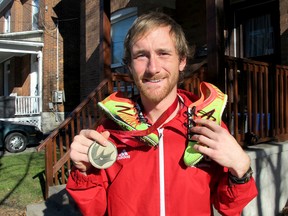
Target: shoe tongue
[(205, 98)]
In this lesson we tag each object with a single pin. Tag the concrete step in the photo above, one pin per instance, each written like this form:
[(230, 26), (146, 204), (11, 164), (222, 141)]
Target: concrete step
[(59, 203)]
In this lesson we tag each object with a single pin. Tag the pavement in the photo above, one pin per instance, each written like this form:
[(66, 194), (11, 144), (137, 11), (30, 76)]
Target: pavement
[(59, 203)]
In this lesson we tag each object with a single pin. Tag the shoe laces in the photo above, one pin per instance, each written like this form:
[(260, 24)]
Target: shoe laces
[(140, 115), (190, 123)]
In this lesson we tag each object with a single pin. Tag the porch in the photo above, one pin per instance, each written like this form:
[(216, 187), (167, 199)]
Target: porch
[(255, 113), (25, 109)]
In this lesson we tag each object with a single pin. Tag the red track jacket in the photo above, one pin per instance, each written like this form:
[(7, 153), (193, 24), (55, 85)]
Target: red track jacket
[(154, 181)]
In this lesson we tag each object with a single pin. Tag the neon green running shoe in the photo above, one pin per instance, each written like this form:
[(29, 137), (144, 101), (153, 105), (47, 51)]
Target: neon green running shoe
[(210, 106), (127, 115)]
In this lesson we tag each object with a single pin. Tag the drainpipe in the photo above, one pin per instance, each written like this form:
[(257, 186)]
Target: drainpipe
[(57, 57), (40, 79)]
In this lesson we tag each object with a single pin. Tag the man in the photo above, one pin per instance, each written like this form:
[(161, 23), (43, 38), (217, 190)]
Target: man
[(157, 174)]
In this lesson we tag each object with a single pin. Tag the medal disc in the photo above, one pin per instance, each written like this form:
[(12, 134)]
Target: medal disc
[(102, 157)]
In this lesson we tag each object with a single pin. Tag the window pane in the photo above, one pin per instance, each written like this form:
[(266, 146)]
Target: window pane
[(259, 36), (35, 13), (119, 31)]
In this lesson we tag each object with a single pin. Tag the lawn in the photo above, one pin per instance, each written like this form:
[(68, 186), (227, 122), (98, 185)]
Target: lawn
[(20, 183)]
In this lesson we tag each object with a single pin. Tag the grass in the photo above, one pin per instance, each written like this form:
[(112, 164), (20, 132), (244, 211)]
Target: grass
[(20, 176)]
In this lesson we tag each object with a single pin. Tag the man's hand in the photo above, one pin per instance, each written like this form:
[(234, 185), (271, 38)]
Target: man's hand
[(80, 145), (218, 144)]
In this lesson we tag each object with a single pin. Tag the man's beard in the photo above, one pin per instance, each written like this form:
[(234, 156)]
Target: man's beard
[(158, 94)]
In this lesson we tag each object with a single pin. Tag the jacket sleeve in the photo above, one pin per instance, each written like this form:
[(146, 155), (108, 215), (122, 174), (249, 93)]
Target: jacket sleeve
[(230, 199), (89, 192)]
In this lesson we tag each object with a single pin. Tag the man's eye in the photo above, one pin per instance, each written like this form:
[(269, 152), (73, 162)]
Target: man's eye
[(140, 55), (163, 54)]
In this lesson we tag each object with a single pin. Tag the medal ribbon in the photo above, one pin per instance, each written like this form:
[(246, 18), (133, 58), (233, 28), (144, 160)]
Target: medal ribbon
[(164, 116)]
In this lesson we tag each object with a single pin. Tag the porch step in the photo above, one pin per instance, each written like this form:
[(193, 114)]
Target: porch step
[(59, 203)]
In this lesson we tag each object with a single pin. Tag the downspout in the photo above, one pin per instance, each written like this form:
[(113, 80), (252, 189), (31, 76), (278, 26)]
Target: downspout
[(57, 57), (40, 81)]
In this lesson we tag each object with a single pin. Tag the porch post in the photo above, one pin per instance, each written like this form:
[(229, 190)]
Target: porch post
[(215, 42)]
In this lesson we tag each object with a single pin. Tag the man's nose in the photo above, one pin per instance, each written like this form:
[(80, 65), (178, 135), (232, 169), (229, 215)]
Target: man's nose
[(154, 64)]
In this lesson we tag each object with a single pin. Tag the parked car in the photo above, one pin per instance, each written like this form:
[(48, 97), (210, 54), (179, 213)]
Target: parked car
[(15, 137)]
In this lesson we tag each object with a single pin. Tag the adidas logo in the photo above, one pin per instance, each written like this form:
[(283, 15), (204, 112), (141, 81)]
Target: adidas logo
[(123, 155)]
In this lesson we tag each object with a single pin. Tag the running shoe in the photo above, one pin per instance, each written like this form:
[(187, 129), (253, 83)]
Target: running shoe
[(210, 106), (127, 114)]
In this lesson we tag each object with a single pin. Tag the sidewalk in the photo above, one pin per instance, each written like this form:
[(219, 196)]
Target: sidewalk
[(59, 203)]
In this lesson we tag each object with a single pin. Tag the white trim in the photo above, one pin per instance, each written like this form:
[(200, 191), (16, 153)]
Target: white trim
[(22, 43), (18, 51), (123, 14), (7, 22), (161, 172), (34, 75), (13, 34)]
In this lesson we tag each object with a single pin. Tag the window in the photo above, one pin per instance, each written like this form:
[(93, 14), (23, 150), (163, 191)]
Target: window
[(259, 36), (121, 21), (258, 33), (7, 21), (35, 14)]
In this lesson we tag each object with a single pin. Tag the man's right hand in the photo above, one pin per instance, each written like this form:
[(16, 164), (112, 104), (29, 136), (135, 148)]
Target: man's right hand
[(80, 145)]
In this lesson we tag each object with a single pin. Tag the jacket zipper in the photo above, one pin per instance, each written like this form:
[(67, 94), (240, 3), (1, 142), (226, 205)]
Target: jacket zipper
[(161, 172)]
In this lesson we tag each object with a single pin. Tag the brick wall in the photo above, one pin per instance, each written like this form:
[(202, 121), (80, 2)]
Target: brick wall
[(21, 16), (19, 78), (64, 76), (50, 71)]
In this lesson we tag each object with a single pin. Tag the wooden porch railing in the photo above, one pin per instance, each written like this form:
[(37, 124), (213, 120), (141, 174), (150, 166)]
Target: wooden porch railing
[(257, 104), (280, 97), (257, 93)]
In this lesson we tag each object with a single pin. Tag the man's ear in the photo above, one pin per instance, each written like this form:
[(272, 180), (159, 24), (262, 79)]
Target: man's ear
[(128, 67), (182, 64)]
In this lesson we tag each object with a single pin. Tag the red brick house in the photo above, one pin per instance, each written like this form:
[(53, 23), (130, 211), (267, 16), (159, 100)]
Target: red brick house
[(33, 70)]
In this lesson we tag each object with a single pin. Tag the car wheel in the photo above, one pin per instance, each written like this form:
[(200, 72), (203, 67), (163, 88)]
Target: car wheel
[(15, 142)]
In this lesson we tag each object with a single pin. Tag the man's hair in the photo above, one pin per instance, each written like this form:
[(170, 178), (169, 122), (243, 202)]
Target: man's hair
[(150, 21)]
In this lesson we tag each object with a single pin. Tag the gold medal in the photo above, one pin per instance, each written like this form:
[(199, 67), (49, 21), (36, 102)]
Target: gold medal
[(102, 157)]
